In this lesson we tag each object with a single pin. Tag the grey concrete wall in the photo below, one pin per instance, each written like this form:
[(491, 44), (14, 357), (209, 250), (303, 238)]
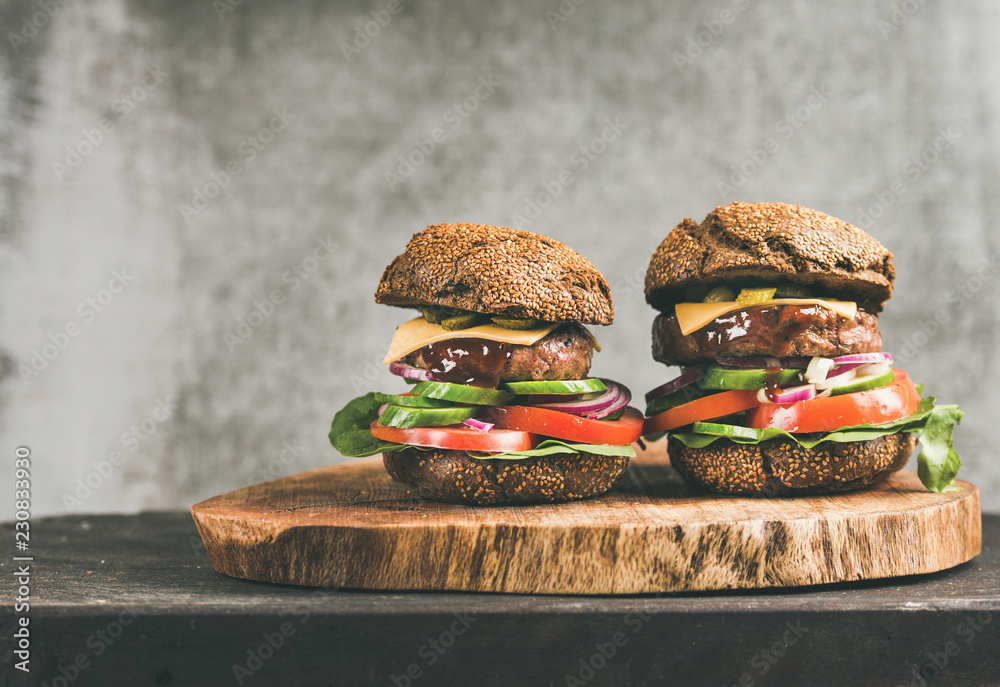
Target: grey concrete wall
[(883, 113)]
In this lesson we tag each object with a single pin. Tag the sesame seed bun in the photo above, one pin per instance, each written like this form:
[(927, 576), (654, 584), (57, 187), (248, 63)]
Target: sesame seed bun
[(782, 466), (457, 477), (767, 243), (498, 271)]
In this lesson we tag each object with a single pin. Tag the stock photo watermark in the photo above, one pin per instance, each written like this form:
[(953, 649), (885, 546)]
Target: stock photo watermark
[(272, 642), (263, 308), (32, 24), (956, 300), (944, 140), (98, 642), (758, 156), (433, 649), (937, 660), (371, 371), (579, 161), (368, 30), (131, 439), (22, 558), (248, 150), (424, 147), (565, 10), (224, 7), (597, 660), (290, 452), (764, 660), (87, 310), (901, 13), (701, 41), (122, 106)]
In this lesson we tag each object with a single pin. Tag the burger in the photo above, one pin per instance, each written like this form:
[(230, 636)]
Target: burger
[(771, 312), (500, 408)]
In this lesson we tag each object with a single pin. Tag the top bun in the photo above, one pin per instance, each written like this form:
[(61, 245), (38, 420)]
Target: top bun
[(766, 243), (498, 271)]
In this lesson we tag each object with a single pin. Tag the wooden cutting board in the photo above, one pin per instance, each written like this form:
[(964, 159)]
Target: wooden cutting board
[(350, 526)]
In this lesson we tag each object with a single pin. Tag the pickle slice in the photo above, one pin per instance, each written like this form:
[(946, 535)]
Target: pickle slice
[(431, 314), (793, 291), (755, 296), (515, 322), (720, 294), (457, 322)]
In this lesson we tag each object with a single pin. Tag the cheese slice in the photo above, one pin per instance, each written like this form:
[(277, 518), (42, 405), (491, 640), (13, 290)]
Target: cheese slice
[(418, 333), (693, 316)]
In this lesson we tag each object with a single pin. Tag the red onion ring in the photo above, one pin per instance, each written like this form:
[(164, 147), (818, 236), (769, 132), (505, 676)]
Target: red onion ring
[(688, 377), (787, 363), (611, 401), (478, 424), (410, 372), (863, 358)]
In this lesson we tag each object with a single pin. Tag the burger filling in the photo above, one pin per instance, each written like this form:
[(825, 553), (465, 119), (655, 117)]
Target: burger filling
[(565, 353), (771, 331), (799, 367), (495, 387)]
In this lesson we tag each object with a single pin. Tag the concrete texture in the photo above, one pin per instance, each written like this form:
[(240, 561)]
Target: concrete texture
[(224, 182)]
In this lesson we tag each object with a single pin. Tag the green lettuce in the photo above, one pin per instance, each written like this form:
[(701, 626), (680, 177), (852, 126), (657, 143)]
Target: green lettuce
[(549, 447), (937, 464), (350, 434)]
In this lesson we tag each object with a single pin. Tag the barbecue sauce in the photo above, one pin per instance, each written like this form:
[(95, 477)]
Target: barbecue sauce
[(772, 377), (476, 362)]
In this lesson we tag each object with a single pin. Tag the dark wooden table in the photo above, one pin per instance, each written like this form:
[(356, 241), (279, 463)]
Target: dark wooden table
[(133, 600)]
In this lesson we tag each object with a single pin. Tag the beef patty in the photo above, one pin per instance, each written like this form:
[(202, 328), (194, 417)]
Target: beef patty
[(564, 353), (768, 331)]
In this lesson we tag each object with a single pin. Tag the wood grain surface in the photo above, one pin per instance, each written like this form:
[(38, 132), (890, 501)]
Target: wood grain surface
[(349, 525)]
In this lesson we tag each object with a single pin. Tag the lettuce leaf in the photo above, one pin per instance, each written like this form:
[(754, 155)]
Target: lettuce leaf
[(350, 434), (350, 431), (549, 447), (937, 464)]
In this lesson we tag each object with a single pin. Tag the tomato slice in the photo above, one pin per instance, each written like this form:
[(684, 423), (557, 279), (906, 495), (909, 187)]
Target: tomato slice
[(705, 408), (568, 427), (873, 407), (457, 438)]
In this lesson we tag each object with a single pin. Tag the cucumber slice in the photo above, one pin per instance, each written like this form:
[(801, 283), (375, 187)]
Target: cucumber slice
[(412, 401), (721, 430), (461, 393), (405, 417), (866, 384), (561, 386), (719, 377)]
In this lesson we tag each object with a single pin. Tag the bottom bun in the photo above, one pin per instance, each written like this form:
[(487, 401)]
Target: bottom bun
[(457, 477), (782, 466)]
